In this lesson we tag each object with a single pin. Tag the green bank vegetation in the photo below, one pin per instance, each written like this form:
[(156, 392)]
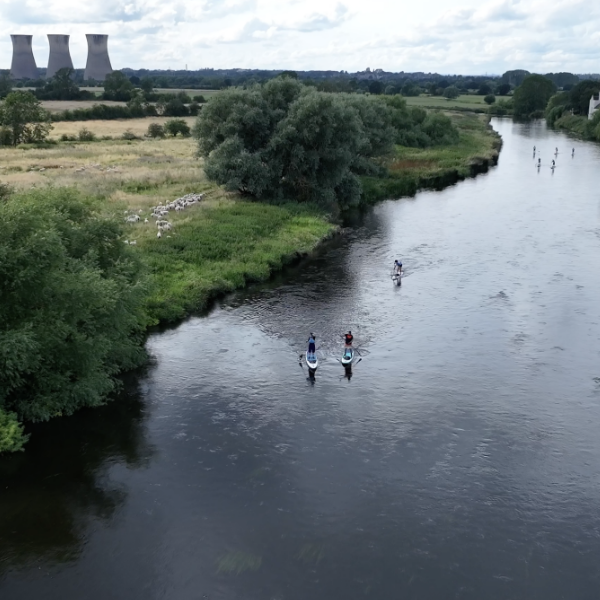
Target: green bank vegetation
[(412, 169), (76, 300), (569, 110)]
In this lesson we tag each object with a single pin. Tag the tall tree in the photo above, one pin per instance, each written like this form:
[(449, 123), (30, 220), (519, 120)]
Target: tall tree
[(532, 95), (23, 115)]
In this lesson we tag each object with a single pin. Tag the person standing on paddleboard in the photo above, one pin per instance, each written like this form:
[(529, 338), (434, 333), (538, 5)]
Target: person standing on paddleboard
[(311, 344), (397, 267), (348, 337)]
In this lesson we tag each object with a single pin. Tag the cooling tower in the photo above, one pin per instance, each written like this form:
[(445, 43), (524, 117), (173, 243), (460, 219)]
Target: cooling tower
[(23, 64), (98, 63), (60, 57)]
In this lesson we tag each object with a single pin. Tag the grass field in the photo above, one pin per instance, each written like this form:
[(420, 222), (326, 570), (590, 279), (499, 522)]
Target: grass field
[(200, 257), (114, 128), (54, 106), (466, 102)]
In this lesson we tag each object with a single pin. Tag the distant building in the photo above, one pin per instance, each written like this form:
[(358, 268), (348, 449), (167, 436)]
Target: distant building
[(23, 64), (594, 105), (60, 57), (98, 63)]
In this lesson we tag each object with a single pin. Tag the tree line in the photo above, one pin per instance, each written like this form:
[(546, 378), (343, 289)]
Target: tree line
[(286, 140)]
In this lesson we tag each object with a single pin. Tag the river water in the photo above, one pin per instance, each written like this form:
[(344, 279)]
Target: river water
[(460, 460)]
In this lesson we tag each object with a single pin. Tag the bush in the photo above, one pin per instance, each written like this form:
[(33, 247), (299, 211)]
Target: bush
[(11, 433), (451, 92), (176, 126), (71, 309), (490, 99), (85, 135), (65, 137), (129, 135), (5, 136), (6, 191), (155, 130)]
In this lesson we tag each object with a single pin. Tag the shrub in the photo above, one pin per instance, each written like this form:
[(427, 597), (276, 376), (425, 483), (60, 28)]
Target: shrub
[(11, 433), (5, 136), (129, 135), (71, 309), (490, 99), (451, 92), (85, 135), (175, 126), (65, 137), (6, 191), (155, 130)]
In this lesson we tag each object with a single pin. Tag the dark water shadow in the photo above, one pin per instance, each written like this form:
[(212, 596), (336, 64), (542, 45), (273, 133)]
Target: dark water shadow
[(49, 493)]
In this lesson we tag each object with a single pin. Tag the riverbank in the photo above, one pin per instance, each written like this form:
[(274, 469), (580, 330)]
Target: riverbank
[(224, 242), (413, 169), (580, 126)]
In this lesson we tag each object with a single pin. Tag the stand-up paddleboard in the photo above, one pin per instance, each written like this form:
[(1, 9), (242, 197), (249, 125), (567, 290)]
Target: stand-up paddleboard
[(312, 361), (397, 279), (347, 357)]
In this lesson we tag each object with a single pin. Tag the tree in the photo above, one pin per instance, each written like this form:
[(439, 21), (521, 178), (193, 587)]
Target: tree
[(515, 78), (562, 80), (532, 95), (376, 87), (23, 115), (490, 99), (72, 305), (288, 141), (117, 87), (502, 89), (451, 92), (580, 96), (156, 130), (5, 84), (175, 126), (484, 89)]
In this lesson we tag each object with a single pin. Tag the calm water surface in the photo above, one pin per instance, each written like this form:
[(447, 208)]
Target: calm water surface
[(461, 460)]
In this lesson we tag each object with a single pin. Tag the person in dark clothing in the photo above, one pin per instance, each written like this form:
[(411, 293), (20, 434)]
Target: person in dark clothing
[(348, 337), (311, 344)]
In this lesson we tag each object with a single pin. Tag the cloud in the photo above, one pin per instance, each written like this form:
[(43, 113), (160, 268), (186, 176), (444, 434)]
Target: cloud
[(319, 21), (474, 36)]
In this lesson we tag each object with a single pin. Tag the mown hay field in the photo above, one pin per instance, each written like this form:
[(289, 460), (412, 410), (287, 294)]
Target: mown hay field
[(56, 106), (113, 128)]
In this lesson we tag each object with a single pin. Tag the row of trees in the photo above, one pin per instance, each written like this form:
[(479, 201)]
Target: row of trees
[(285, 140), (537, 96)]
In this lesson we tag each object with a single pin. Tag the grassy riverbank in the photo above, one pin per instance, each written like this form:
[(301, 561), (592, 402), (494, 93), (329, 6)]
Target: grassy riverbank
[(214, 247), (580, 126), (412, 169), (224, 242)]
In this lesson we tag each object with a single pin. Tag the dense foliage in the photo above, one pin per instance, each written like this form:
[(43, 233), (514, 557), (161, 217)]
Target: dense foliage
[(575, 101), (71, 312), (62, 87), (288, 141), (531, 97), (23, 120)]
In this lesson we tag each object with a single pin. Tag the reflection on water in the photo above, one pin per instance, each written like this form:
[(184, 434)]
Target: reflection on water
[(459, 460), (50, 492)]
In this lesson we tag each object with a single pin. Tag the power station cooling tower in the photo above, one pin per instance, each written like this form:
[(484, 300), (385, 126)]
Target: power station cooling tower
[(23, 64), (98, 63), (60, 57)]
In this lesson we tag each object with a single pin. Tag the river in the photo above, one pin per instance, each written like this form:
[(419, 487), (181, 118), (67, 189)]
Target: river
[(460, 460)]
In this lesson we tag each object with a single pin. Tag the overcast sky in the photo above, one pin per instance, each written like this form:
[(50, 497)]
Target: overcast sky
[(467, 36)]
